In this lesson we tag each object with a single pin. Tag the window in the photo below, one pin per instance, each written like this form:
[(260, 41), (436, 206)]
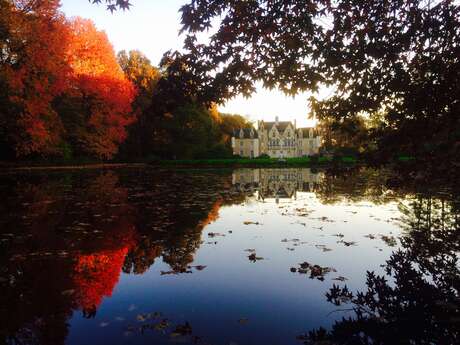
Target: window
[(241, 153), (241, 142)]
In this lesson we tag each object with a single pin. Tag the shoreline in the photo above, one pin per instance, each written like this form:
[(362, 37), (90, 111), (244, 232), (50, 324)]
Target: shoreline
[(18, 167), (314, 162), (179, 164)]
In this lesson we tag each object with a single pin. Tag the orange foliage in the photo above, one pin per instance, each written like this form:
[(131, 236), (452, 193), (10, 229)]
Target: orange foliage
[(47, 56), (99, 80), (37, 73)]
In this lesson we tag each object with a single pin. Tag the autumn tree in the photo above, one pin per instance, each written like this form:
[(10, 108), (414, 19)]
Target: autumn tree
[(62, 88), (33, 71), (97, 108), (231, 122)]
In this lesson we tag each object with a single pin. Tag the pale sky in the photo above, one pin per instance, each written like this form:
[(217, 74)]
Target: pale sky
[(152, 26)]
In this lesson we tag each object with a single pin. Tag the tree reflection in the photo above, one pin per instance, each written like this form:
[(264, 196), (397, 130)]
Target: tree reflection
[(74, 233), (418, 301), (69, 241)]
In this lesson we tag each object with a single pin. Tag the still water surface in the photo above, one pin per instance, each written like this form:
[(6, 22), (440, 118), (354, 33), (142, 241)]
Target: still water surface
[(141, 256)]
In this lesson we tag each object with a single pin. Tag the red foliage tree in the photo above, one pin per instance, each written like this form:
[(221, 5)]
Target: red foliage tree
[(105, 93), (33, 72), (60, 84)]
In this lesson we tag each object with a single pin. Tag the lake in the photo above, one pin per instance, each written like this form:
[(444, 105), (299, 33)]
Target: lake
[(137, 255)]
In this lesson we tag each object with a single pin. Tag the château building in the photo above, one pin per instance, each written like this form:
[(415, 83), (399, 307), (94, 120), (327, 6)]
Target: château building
[(278, 139)]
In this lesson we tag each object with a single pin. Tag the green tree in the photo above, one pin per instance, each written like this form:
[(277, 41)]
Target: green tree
[(229, 123), (349, 134), (139, 70), (190, 132)]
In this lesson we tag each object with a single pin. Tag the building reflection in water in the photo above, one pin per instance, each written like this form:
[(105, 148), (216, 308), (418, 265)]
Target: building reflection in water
[(276, 183)]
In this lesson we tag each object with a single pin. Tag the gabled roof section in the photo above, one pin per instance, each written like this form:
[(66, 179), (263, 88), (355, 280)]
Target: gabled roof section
[(246, 133), (306, 131), (281, 126)]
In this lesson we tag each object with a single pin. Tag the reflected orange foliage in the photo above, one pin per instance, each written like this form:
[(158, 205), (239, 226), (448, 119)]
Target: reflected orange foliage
[(213, 214), (96, 275)]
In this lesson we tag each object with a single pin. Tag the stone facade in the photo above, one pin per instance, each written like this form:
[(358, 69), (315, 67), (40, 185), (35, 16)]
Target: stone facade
[(278, 139), (245, 143)]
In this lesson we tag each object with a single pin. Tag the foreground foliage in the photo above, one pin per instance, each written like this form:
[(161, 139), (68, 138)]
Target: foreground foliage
[(396, 62)]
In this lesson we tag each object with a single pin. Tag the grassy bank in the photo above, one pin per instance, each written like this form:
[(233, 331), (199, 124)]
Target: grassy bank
[(194, 163), (258, 162)]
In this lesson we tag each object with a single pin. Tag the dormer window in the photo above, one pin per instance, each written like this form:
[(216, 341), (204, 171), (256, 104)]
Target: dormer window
[(241, 134)]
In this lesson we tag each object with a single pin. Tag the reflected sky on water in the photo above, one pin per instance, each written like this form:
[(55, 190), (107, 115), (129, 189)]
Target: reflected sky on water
[(141, 256)]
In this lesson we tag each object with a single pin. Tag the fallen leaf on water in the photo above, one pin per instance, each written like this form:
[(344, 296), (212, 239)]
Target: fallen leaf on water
[(253, 223), (141, 318), (200, 267), (243, 321), (161, 325), (182, 330), (340, 278), (315, 271), (323, 248), (347, 244), (389, 240), (215, 234), (253, 257), (103, 324)]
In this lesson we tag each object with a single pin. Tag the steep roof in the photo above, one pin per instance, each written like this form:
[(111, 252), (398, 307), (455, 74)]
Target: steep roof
[(306, 131), (281, 126), (246, 133)]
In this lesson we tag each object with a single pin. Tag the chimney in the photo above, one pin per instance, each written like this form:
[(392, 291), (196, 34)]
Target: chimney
[(295, 123), (276, 120)]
